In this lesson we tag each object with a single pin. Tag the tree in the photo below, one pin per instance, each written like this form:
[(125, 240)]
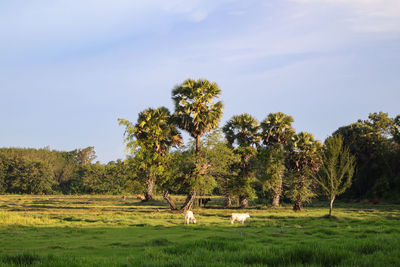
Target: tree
[(337, 169), (277, 129), (269, 170), (241, 133), (276, 133), (197, 113), (195, 110), (118, 174), (29, 176), (302, 162), (3, 173), (373, 143), (84, 156), (150, 140), (396, 129), (222, 162)]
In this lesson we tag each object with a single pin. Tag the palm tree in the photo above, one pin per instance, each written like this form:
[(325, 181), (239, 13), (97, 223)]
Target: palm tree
[(150, 140), (195, 110), (154, 129), (276, 132), (303, 161), (241, 133), (277, 129), (197, 113)]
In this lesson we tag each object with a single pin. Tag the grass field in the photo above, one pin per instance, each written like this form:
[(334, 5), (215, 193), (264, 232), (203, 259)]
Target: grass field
[(107, 231)]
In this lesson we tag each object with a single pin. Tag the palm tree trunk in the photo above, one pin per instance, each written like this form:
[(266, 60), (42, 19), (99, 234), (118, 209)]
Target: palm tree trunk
[(197, 144), (167, 197), (277, 192), (189, 201), (244, 202)]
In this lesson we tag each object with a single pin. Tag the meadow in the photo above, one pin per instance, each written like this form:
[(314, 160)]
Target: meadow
[(97, 230)]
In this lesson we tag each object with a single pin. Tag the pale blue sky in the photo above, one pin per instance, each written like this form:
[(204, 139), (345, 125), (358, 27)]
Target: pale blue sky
[(69, 69)]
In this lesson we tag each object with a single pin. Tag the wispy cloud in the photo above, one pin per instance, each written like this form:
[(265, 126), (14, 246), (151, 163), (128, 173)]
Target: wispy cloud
[(362, 15), (70, 24)]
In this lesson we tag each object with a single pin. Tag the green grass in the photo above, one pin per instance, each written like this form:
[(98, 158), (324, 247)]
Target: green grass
[(107, 231)]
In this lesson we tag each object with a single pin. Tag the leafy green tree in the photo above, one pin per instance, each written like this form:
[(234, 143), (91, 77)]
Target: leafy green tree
[(241, 133), (337, 169), (302, 162), (276, 133), (118, 174), (222, 162), (373, 143), (197, 112), (29, 177), (3, 173), (269, 166), (396, 129), (84, 156), (150, 140), (242, 183)]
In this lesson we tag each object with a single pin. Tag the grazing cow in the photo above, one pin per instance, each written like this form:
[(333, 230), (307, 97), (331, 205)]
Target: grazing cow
[(241, 217), (189, 217)]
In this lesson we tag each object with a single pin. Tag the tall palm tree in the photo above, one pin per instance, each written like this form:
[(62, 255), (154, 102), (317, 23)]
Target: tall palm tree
[(303, 162), (150, 139), (242, 133), (276, 132), (197, 113), (277, 129), (195, 110), (155, 130)]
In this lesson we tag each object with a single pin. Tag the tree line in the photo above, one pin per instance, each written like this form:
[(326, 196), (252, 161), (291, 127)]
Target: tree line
[(241, 160)]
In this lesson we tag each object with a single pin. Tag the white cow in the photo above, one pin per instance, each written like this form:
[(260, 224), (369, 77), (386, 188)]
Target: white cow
[(241, 217), (189, 217)]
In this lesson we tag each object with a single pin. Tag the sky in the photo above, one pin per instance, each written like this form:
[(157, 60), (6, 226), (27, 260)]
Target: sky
[(69, 69)]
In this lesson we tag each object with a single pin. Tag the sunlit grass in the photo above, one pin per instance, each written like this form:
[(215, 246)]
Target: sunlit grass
[(108, 231)]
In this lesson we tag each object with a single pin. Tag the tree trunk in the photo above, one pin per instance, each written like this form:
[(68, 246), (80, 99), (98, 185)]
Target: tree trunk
[(167, 197), (298, 205), (149, 193), (275, 200), (228, 201), (197, 144), (244, 202), (277, 192), (189, 202), (331, 207)]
